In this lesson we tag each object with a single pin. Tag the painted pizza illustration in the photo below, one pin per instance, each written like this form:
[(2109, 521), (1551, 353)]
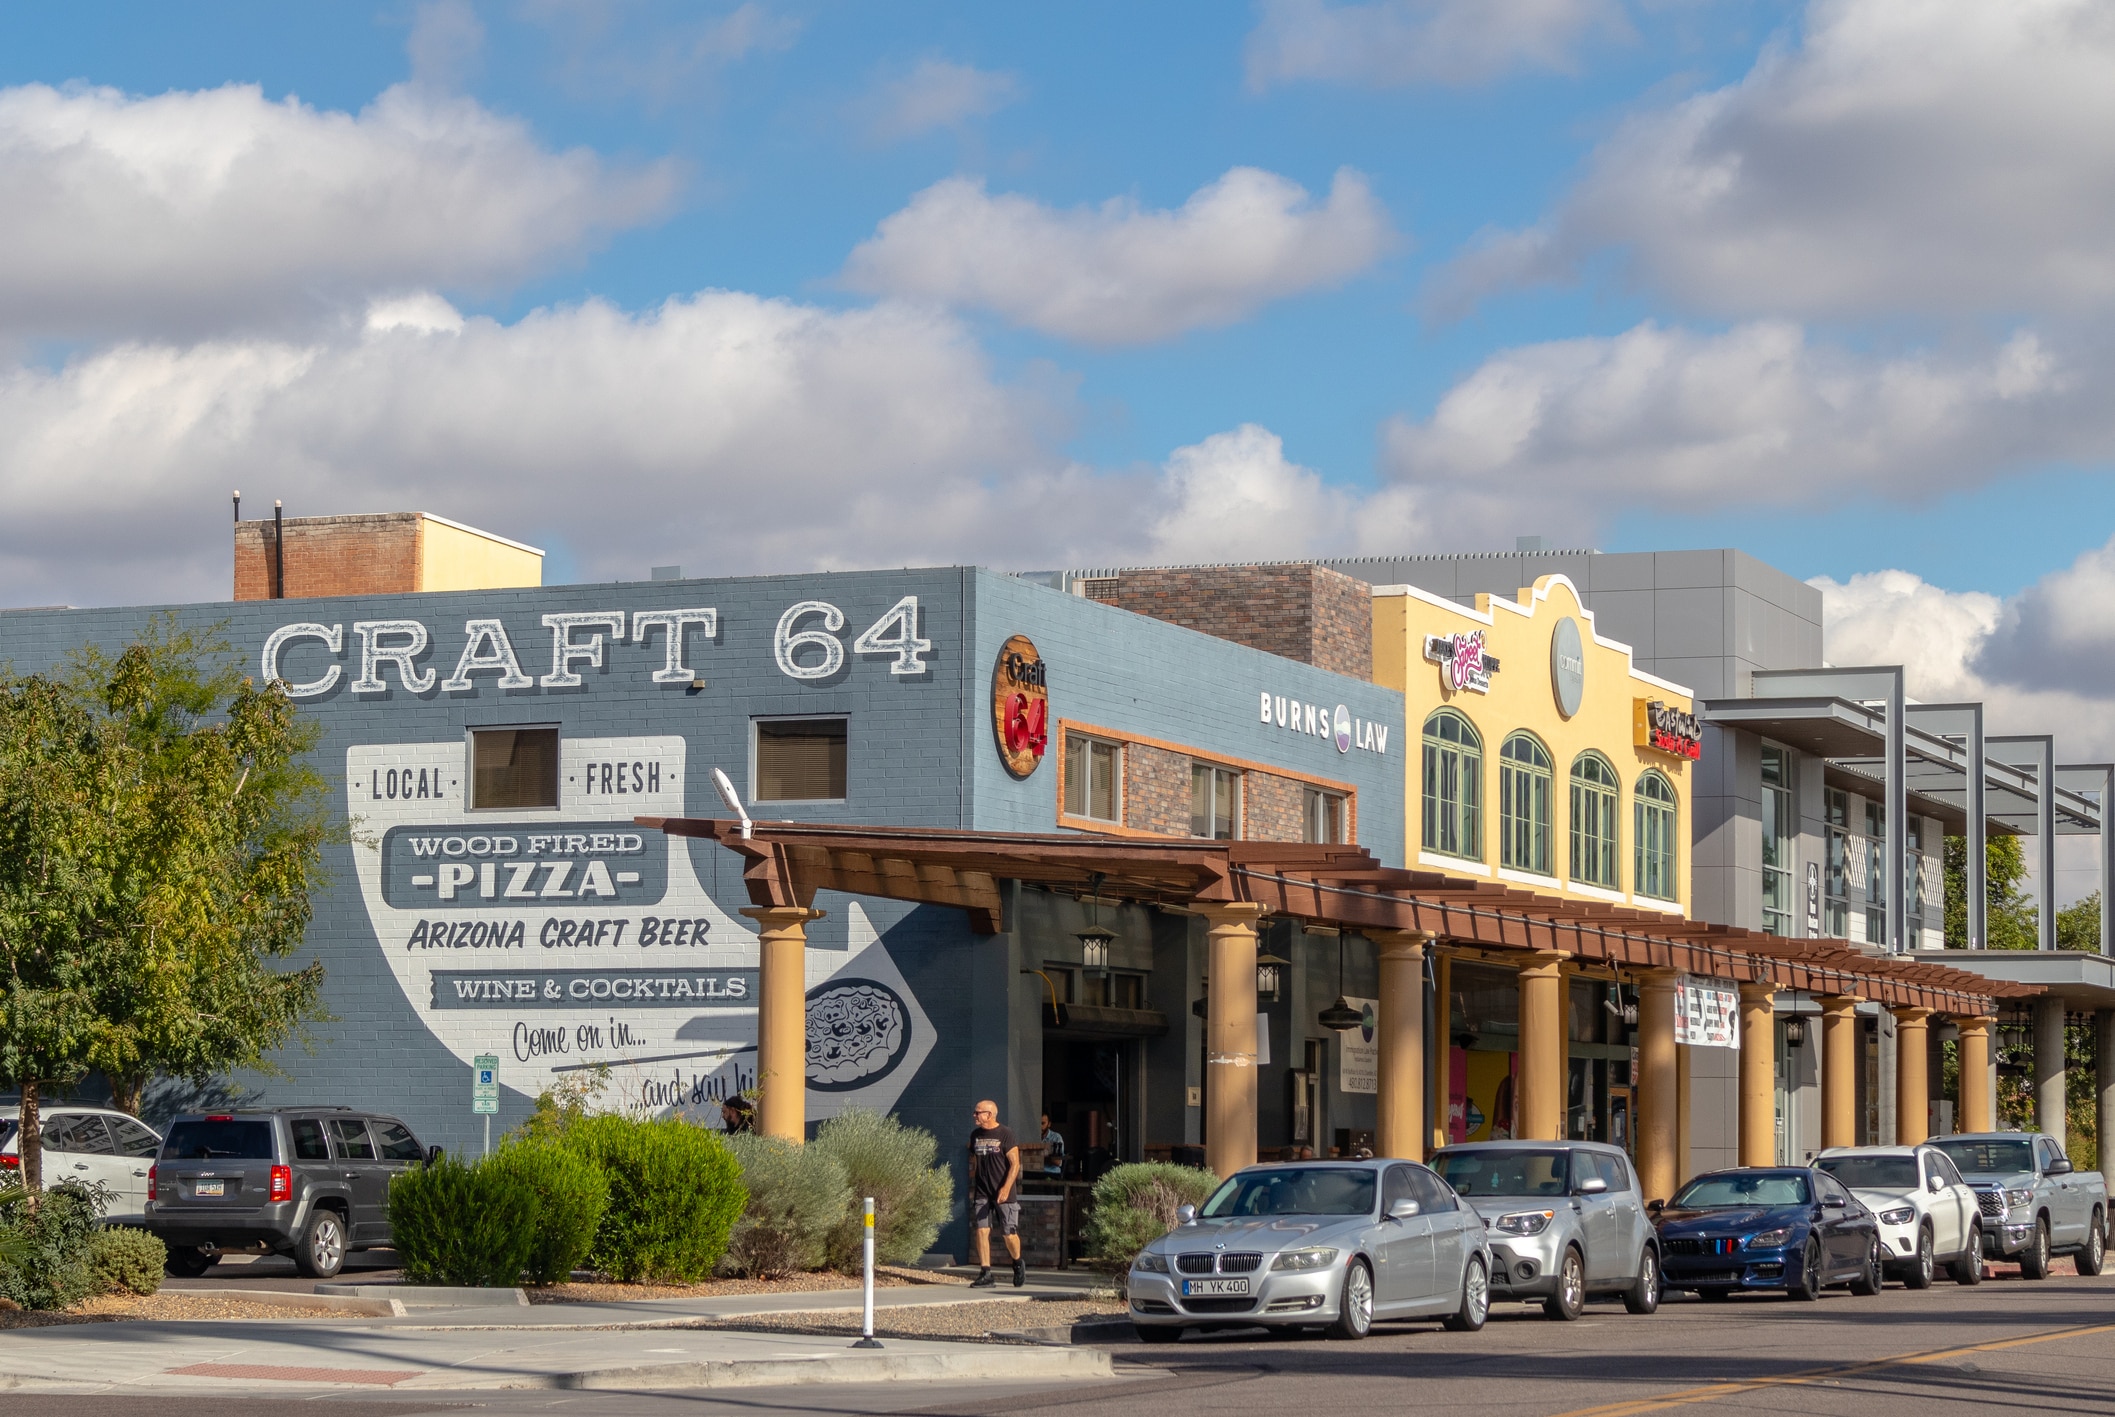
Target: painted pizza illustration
[(858, 1030)]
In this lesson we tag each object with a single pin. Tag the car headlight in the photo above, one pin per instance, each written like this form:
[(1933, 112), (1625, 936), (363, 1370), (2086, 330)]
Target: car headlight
[(1770, 1239), (1524, 1222), (1305, 1259), (2016, 1200), (1150, 1263), (1902, 1215)]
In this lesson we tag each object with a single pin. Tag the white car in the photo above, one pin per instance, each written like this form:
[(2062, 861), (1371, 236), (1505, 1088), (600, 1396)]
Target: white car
[(1928, 1215), (84, 1143)]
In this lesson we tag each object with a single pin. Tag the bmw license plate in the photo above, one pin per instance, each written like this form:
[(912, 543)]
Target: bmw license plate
[(1203, 1288), (207, 1190)]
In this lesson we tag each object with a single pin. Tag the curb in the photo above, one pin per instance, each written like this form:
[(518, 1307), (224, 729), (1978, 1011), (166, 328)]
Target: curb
[(1066, 1335), (365, 1303), (974, 1362), (431, 1296)]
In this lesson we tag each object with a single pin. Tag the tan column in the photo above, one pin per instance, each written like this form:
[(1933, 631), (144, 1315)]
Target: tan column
[(1977, 1110), (1401, 1104), (782, 1019), (1839, 1070), (1539, 1100), (1443, 1047), (1758, 1075), (1659, 1085), (1230, 1037), (2051, 1106), (1912, 1076)]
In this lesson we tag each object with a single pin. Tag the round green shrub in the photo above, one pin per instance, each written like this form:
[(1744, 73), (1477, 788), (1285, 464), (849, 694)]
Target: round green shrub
[(48, 1248), (122, 1258), (894, 1164), (797, 1196), (1134, 1205), (675, 1194), (457, 1224), (571, 1194)]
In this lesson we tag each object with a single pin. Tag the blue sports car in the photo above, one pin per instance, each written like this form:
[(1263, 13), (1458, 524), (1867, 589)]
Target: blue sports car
[(1767, 1227)]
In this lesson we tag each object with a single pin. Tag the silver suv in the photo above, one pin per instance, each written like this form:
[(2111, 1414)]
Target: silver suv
[(1566, 1222), (312, 1182)]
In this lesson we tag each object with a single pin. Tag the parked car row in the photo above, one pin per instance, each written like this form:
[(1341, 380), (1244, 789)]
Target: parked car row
[(1339, 1245)]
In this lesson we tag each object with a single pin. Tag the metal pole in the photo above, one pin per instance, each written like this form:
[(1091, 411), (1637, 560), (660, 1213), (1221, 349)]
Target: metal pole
[(866, 1327), (1895, 832), (488, 1134)]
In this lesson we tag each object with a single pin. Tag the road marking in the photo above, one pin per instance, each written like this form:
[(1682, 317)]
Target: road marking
[(1716, 1391)]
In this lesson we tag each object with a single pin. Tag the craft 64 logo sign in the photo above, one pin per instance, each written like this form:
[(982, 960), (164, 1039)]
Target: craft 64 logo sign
[(1020, 706)]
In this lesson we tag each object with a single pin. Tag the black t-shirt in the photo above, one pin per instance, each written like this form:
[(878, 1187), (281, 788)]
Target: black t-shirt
[(988, 1163)]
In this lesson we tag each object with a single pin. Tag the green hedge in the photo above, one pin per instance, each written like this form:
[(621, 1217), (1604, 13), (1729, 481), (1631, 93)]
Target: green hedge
[(894, 1164), (49, 1250), (675, 1194), (121, 1258), (571, 1195), (797, 1196), (457, 1224), (1134, 1205)]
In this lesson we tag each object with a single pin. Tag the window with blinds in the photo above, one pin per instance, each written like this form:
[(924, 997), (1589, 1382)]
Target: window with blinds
[(512, 769), (801, 759)]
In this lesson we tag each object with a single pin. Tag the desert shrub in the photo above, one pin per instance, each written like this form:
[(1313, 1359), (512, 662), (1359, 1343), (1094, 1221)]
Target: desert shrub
[(457, 1224), (894, 1164), (122, 1258), (797, 1196), (1134, 1205), (675, 1193), (570, 1194), (48, 1249)]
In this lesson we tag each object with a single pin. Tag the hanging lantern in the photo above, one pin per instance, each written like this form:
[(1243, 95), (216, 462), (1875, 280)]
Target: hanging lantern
[(1268, 975), (1339, 1015), (1094, 950)]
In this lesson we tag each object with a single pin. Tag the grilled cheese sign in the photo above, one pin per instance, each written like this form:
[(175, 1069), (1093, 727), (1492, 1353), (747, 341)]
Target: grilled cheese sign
[(1666, 729)]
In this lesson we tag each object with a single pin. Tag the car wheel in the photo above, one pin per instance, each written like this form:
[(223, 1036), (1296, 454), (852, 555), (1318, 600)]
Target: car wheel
[(1968, 1269), (1714, 1296), (1156, 1333), (1643, 1296), (2034, 1260), (1925, 1265), (189, 1262), (1808, 1289), (1355, 1303), (1475, 1298), (321, 1253), (1870, 1278), (2093, 1254), (1569, 1301)]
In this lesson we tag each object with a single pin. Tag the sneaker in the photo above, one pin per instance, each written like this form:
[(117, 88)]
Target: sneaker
[(983, 1280), (1020, 1274)]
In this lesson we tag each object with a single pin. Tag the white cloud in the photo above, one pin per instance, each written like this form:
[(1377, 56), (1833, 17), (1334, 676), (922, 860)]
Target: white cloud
[(1901, 155), (446, 39), (1236, 496), (1451, 42), (934, 94), (1117, 274), (193, 213)]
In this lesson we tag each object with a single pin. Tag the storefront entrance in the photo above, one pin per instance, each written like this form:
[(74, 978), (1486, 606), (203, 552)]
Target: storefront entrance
[(1090, 1094)]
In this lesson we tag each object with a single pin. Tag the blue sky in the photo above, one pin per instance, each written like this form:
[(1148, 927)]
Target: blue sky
[(777, 284)]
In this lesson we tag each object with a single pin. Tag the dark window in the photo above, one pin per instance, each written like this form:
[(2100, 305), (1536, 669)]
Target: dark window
[(219, 1141), (350, 1136), (1505, 1172), (309, 1144), (513, 768), (398, 1144), (1313, 1190), (82, 1133), (801, 759), (1395, 1186), (1831, 1191), (1873, 1173), (132, 1138), (1094, 778), (1322, 816), (1431, 1193), (1215, 802), (1612, 1171)]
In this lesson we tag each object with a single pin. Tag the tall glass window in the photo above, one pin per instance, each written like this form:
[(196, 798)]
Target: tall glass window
[(1777, 832), (1094, 778), (1524, 804), (1453, 786), (1594, 793), (1655, 817), (1875, 874), (1836, 904), (1215, 802), (1913, 868), (1321, 815)]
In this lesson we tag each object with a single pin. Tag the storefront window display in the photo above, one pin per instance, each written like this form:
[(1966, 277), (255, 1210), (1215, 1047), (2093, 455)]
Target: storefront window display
[(1483, 1038)]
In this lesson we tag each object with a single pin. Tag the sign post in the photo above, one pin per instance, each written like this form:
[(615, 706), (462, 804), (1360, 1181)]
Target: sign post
[(484, 1092), (866, 1334)]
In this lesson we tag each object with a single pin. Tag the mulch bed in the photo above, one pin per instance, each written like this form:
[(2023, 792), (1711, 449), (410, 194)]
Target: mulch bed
[(593, 1292), (169, 1304)]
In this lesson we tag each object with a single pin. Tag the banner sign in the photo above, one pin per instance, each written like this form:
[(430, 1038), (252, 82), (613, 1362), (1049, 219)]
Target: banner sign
[(1359, 1052), (1707, 1013)]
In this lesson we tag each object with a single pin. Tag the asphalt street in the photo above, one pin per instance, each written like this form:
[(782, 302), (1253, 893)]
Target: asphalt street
[(2008, 1346)]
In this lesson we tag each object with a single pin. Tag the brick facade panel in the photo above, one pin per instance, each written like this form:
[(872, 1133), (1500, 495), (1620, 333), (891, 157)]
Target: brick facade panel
[(1156, 790), (1273, 809), (1307, 613), (360, 555)]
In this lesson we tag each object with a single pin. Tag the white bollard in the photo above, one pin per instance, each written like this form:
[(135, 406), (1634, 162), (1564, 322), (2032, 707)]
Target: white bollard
[(867, 1339)]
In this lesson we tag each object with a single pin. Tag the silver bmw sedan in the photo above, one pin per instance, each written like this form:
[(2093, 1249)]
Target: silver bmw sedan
[(1316, 1244)]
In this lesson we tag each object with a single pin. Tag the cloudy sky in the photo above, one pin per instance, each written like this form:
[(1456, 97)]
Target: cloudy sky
[(777, 285)]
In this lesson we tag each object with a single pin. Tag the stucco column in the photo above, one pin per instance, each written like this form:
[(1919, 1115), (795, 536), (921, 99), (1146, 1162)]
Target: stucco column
[(1912, 1081), (782, 1019), (1839, 1070), (1443, 1048), (1400, 1112), (1977, 1111), (1659, 1085), (1758, 1075), (2104, 1081), (1539, 1104), (2049, 1101), (1230, 1036)]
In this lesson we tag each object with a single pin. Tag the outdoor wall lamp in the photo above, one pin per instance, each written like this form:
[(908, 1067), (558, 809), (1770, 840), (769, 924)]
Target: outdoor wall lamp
[(1795, 1033), (1267, 975), (1096, 938)]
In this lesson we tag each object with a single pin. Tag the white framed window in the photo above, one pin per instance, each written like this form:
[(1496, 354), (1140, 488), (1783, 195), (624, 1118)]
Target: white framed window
[(1215, 802), (1322, 816), (1525, 794), (1655, 814), (1094, 778), (1594, 834), (799, 759), (513, 769), (1778, 834), (1453, 789)]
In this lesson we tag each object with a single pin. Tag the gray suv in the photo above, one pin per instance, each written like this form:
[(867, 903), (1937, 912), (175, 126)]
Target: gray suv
[(312, 1182), (1565, 1219)]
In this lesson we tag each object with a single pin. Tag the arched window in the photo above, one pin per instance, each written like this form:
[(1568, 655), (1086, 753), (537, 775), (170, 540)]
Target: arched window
[(1594, 788), (1657, 816), (1525, 793), (1453, 786)]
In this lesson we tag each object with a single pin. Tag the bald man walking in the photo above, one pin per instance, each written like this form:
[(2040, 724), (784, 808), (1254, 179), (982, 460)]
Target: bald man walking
[(994, 1192)]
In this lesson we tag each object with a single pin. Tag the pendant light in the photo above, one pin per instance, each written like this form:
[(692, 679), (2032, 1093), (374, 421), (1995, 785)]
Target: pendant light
[(1340, 1015), (1096, 938)]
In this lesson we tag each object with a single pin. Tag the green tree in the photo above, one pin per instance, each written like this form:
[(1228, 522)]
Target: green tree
[(2078, 925), (2009, 915)]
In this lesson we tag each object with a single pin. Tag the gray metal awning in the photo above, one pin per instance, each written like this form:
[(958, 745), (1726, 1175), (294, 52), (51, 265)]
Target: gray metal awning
[(2084, 982)]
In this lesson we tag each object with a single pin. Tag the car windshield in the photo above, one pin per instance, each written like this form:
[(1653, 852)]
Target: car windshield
[(216, 1141), (1504, 1172), (1873, 1173), (1989, 1156), (1305, 1191), (1730, 1192)]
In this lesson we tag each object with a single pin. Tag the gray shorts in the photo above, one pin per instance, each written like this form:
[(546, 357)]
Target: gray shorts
[(982, 1208)]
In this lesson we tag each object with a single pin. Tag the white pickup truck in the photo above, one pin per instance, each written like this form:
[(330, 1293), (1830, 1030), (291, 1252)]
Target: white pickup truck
[(2034, 1205)]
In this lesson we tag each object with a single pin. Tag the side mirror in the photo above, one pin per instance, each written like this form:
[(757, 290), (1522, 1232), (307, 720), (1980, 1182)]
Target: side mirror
[(1833, 1203), (2060, 1167), (1592, 1186), (1185, 1215), (433, 1154), (1937, 1185), (1402, 1209), (1656, 1206)]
